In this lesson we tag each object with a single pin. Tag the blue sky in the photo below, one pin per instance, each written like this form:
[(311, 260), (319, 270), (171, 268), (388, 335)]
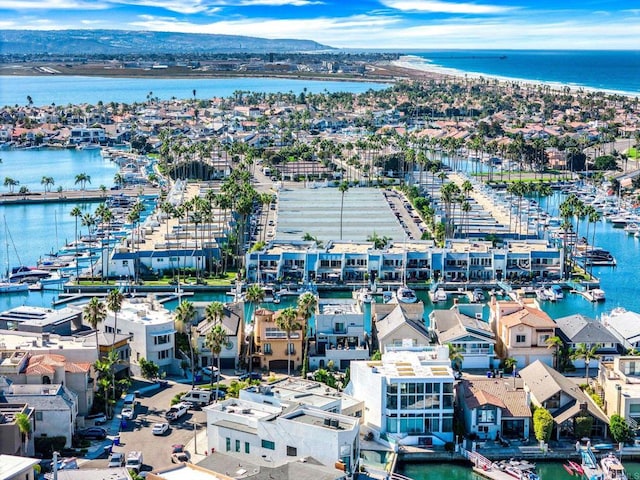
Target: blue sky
[(378, 24)]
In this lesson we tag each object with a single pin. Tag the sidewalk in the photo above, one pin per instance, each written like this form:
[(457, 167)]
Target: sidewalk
[(197, 455)]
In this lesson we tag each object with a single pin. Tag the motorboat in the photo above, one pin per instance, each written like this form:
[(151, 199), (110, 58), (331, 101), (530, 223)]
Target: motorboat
[(596, 257), (363, 295), (554, 293), (542, 294), (438, 295), (598, 295), (406, 295), (25, 274), (612, 468), (12, 287), (518, 469), (477, 296), (632, 228)]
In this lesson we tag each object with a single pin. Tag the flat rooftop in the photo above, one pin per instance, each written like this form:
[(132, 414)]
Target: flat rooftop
[(38, 316), (317, 212)]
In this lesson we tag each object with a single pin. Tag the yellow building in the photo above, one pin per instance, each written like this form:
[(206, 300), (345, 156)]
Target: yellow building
[(272, 347)]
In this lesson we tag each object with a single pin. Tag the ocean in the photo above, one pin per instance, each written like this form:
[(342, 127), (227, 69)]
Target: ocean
[(615, 71), (63, 90)]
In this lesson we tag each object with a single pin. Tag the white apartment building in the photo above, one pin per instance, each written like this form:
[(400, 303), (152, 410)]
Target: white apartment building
[(151, 329), (293, 390), (408, 394), (250, 429)]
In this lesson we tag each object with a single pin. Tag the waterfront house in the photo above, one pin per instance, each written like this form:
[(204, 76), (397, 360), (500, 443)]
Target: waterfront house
[(399, 324), (151, 329), (55, 407), (289, 391), (87, 135), (255, 430), (41, 320), (577, 329), (408, 395), (563, 398), (625, 325), (11, 442), (339, 335), (620, 382), (462, 326), (522, 330), (493, 408), (232, 322), (273, 350)]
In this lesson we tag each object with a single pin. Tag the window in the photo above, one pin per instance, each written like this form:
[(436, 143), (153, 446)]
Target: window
[(487, 415), (38, 416), (237, 445), (291, 349), (228, 444), (521, 338), (268, 444), (292, 451), (247, 447), (266, 349)]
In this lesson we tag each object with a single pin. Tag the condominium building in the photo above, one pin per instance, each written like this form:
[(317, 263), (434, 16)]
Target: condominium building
[(409, 394)]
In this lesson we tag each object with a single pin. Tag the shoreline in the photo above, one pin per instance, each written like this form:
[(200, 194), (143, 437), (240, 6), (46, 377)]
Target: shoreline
[(421, 64)]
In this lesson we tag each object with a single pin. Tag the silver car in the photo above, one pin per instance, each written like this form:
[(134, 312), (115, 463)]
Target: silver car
[(116, 459)]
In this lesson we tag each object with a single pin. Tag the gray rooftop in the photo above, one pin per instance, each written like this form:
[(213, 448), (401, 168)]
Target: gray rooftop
[(317, 211), (580, 329)]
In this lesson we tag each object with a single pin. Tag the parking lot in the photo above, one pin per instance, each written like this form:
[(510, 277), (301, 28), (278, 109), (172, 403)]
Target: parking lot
[(136, 435)]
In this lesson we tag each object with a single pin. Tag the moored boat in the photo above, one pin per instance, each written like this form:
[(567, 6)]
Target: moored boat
[(438, 295), (612, 468), (598, 295), (406, 295)]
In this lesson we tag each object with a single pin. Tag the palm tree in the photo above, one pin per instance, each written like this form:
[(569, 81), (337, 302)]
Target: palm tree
[(76, 213), (23, 422), (455, 356), (556, 343), (95, 312), (511, 363), (11, 183), (255, 296), (287, 320), (587, 354), (47, 182), (82, 179), (114, 303), (106, 376), (342, 188), (184, 315), (307, 303), (215, 340)]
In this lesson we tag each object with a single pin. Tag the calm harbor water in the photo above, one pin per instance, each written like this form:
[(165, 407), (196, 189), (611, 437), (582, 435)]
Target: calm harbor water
[(546, 470), (63, 90)]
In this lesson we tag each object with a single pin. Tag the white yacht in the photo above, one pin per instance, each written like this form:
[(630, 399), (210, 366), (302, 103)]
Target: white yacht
[(406, 295)]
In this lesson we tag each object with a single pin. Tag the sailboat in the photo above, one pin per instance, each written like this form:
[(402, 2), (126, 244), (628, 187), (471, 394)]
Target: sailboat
[(6, 286), (405, 294)]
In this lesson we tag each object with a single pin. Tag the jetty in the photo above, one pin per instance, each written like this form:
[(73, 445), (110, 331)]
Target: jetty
[(72, 196)]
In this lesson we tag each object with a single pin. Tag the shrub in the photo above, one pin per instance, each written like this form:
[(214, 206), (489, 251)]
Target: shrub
[(620, 431), (47, 445), (582, 426), (542, 424)]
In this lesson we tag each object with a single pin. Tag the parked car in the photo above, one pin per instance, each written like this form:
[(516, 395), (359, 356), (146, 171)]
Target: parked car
[(250, 376), (116, 459), (219, 394), (98, 418), (127, 413), (209, 371), (93, 433), (179, 454), (160, 428), (177, 411)]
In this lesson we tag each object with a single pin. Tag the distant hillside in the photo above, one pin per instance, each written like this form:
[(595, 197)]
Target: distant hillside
[(114, 42)]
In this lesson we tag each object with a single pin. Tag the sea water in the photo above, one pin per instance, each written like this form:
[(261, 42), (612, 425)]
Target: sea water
[(603, 70)]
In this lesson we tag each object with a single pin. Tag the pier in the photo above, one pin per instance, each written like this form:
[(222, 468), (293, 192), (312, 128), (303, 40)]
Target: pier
[(72, 196)]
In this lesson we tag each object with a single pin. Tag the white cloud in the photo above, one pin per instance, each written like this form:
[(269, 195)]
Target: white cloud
[(185, 7), (438, 6), (52, 5), (274, 3)]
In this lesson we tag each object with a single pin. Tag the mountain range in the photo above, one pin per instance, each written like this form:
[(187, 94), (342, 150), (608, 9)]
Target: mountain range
[(121, 42)]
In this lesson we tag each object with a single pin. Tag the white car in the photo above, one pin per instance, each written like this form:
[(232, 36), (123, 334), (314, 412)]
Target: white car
[(160, 428), (210, 371), (127, 413), (116, 460)]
